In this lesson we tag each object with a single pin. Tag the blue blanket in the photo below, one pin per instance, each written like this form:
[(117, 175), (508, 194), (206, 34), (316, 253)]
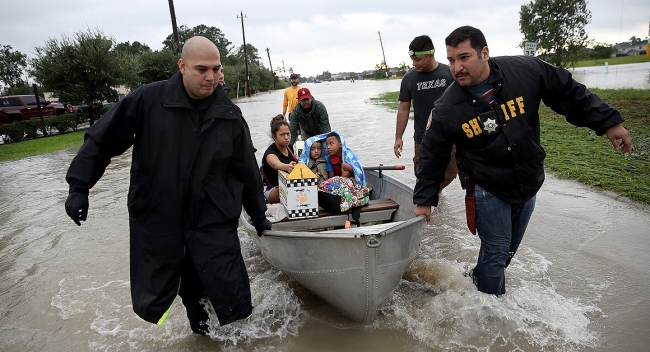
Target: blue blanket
[(348, 156)]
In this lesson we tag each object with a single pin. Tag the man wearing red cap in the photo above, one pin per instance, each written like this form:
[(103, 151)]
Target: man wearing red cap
[(291, 95), (308, 118)]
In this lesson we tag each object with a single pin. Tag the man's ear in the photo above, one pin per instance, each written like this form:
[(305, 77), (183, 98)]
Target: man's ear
[(485, 53), (181, 66)]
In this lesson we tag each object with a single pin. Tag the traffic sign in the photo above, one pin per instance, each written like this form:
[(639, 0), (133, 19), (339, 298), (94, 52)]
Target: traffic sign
[(530, 48)]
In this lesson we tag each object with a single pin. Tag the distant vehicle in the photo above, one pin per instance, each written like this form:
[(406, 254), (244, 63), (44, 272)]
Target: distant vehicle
[(318, 81), (87, 109), (110, 105), (23, 107)]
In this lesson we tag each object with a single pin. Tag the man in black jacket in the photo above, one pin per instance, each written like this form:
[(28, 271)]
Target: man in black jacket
[(193, 167), (491, 113)]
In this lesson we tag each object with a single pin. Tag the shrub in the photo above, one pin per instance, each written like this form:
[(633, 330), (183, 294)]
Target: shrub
[(31, 127), (61, 123), (80, 118), (72, 121), (14, 131)]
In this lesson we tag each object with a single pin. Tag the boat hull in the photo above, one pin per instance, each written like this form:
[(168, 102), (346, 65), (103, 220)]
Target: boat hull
[(355, 269)]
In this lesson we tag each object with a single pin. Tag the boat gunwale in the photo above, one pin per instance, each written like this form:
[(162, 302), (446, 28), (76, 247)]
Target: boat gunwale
[(331, 235), (338, 235)]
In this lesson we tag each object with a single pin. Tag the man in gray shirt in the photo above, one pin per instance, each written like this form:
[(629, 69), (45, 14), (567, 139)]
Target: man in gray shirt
[(423, 85)]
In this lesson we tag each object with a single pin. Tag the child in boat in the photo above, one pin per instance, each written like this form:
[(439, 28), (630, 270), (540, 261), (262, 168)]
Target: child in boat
[(317, 163), (335, 165), (350, 184), (346, 177)]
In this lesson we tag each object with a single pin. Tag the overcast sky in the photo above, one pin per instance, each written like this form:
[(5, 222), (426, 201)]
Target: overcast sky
[(309, 36)]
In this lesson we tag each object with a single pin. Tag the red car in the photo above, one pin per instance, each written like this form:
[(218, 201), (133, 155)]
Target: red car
[(23, 107)]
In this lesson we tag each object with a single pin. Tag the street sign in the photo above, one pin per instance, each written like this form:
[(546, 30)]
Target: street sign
[(530, 48)]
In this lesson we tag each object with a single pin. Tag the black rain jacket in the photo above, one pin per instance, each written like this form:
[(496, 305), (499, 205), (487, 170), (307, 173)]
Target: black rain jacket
[(188, 185), (500, 146)]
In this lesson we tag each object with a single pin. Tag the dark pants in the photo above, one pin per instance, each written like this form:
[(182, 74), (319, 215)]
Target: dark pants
[(192, 293), (501, 226), (221, 276), (192, 264)]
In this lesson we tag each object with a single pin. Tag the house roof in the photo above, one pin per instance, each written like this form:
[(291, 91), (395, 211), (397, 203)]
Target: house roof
[(624, 47)]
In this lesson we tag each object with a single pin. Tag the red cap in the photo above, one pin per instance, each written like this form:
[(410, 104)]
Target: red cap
[(293, 75), (303, 93)]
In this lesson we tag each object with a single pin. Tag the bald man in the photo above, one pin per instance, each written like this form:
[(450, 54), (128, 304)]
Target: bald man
[(193, 168)]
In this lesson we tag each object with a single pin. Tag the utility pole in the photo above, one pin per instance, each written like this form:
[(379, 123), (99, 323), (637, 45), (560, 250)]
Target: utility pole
[(271, 66), (247, 84), (175, 30), (40, 111), (382, 53)]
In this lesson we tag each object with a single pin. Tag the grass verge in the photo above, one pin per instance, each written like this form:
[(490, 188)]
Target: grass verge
[(578, 154), (14, 151), (388, 100)]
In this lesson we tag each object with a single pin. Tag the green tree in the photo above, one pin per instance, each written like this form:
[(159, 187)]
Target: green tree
[(212, 33), (558, 27), (83, 68), (380, 70), (12, 64), (19, 88), (635, 40), (157, 65), (135, 48), (601, 51), (261, 78), (403, 68), (251, 52)]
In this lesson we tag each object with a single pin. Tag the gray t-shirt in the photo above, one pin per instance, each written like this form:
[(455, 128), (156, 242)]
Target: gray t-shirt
[(423, 89)]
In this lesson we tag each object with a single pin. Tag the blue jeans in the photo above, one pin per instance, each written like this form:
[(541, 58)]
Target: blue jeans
[(500, 226)]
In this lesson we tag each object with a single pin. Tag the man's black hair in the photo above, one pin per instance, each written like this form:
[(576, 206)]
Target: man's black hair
[(421, 43), (461, 34)]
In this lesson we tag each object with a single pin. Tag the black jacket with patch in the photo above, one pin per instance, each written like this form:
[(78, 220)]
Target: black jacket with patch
[(500, 146)]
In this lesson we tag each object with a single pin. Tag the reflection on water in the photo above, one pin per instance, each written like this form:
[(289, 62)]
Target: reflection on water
[(579, 281)]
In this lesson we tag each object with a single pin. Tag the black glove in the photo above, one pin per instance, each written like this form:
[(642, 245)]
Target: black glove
[(77, 206), (262, 226)]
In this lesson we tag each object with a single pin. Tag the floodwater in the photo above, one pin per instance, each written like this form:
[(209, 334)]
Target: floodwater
[(579, 282), (617, 76)]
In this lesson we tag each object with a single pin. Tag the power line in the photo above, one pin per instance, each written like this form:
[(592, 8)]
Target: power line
[(188, 10)]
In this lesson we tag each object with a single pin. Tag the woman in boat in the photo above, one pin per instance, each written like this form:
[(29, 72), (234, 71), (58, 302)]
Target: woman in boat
[(277, 156)]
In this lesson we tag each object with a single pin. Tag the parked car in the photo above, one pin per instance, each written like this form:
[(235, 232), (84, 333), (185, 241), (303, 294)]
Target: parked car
[(23, 107), (111, 105), (87, 109)]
